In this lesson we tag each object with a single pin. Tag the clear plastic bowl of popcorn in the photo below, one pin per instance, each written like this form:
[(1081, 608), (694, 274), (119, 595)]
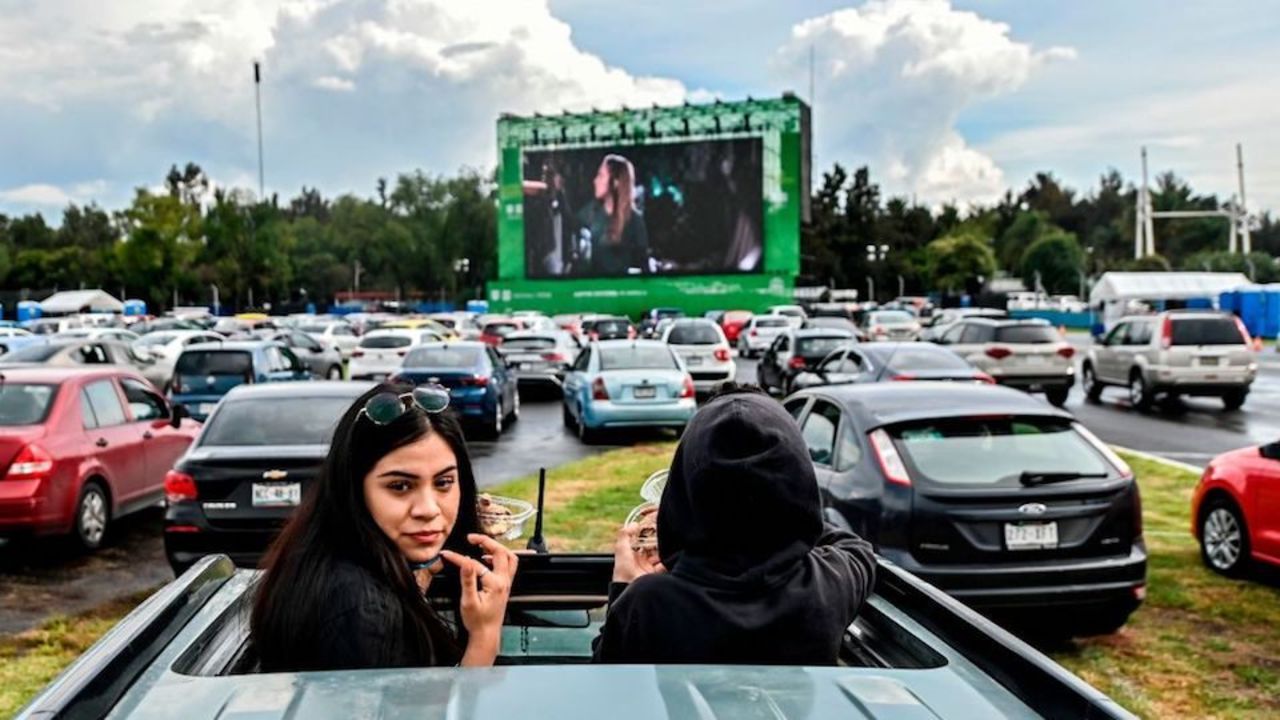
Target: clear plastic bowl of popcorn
[(646, 516), (502, 518), (652, 488)]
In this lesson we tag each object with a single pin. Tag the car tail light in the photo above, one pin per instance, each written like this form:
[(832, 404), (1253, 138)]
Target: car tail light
[(877, 330), (796, 362), (31, 463), (631, 333), (722, 354), (553, 357), (688, 390), (1166, 333), (182, 529), (984, 378), (476, 380), (598, 390), (890, 462), (903, 377), (402, 353), (179, 486), (1067, 351), (357, 353), (753, 333), (998, 352)]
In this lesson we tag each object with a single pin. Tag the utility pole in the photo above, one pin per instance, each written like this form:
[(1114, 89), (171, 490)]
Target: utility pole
[(1243, 212), (216, 304), (257, 95)]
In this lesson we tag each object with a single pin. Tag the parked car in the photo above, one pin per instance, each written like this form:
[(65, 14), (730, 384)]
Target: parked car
[(759, 333), (890, 325), (649, 321), (205, 373), (1006, 503), (885, 362), (339, 335), (610, 328), (794, 314), (941, 321), (15, 338), (1235, 511), (420, 323), (81, 448), (146, 327), (54, 325), (731, 323), (99, 333), (1026, 354), (493, 331), (570, 323), (703, 349), (538, 358), (163, 347), (1181, 352), (714, 316), (794, 352), (621, 383), (70, 353), (323, 361), (381, 352), (482, 391), (233, 490), (829, 322)]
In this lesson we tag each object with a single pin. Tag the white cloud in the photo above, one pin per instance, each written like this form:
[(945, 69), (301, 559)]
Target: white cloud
[(36, 194), (337, 84), (893, 77)]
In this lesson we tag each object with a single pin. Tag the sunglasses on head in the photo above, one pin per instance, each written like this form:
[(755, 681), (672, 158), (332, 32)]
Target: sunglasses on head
[(385, 407)]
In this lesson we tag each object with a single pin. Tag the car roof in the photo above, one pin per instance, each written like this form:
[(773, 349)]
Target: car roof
[(50, 374), (628, 343), (880, 404), (315, 388), (542, 334), (463, 344), (1005, 322), (230, 345), (821, 332)]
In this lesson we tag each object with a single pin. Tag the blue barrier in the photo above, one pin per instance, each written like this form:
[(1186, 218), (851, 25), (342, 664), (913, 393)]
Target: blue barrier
[(1058, 318)]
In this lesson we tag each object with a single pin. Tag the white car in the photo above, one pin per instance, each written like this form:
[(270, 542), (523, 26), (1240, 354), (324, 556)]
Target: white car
[(338, 335), (163, 348), (701, 346), (758, 334), (119, 334), (793, 313), (380, 353), (53, 326)]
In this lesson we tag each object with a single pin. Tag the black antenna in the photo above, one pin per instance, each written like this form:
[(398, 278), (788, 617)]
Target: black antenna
[(536, 543)]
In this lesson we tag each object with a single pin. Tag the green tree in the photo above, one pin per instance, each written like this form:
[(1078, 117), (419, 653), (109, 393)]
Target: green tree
[(1057, 259), (961, 262)]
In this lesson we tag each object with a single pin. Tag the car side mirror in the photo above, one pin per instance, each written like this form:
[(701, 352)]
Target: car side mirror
[(1271, 451), (177, 414)]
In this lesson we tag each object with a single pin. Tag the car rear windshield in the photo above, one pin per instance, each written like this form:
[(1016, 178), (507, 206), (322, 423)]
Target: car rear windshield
[(275, 421), (693, 334), (892, 317), (611, 326), (215, 362), (33, 353), (314, 329), (994, 452), (773, 322), (443, 357), (155, 338), (500, 329), (925, 358), (1027, 334), (24, 403), (637, 357), (1206, 331), (820, 346), (528, 343), (382, 342)]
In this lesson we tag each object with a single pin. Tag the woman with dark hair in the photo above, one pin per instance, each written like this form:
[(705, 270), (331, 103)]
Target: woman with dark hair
[(619, 239), (345, 584)]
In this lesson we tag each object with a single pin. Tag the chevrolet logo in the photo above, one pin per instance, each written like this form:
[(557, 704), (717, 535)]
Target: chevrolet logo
[(275, 474)]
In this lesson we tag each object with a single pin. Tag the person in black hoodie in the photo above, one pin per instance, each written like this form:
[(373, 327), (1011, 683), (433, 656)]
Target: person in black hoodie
[(748, 572)]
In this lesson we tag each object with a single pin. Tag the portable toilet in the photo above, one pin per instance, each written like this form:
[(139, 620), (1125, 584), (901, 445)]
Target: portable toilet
[(1271, 317), (1200, 303), (1228, 301), (1251, 308), (29, 310), (135, 307), (478, 306)]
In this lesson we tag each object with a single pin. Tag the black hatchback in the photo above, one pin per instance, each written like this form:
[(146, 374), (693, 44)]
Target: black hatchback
[(1002, 501), (242, 478)]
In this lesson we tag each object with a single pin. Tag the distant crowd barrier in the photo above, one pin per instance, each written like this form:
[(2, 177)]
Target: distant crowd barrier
[(1058, 318)]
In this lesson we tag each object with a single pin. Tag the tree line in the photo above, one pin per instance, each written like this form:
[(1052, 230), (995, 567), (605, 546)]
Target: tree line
[(435, 238)]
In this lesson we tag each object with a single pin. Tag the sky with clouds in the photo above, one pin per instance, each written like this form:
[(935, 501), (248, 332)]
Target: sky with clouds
[(946, 100)]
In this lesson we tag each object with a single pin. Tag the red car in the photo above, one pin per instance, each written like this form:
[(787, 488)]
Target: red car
[(496, 329), (732, 323), (1235, 511), (80, 447)]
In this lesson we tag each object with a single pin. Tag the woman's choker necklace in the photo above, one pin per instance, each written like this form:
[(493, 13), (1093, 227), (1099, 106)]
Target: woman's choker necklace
[(415, 566)]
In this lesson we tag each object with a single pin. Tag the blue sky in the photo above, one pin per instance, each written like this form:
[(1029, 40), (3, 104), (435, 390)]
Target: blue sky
[(947, 101)]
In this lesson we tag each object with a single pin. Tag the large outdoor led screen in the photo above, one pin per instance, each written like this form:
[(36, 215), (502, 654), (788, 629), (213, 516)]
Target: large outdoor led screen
[(684, 208)]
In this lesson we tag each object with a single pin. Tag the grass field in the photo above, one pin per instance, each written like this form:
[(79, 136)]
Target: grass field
[(1201, 646)]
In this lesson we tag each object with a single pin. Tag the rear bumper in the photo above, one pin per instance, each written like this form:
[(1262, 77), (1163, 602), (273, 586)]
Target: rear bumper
[(604, 413), (244, 546), (24, 510), (537, 377), (1200, 381), (1042, 584), (705, 379), (1037, 383)]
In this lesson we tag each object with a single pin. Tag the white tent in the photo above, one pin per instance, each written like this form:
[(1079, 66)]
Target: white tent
[(1119, 286), (78, 301)]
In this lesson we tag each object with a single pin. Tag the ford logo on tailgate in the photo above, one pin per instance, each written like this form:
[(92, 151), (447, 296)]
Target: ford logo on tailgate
[(1033, 509)]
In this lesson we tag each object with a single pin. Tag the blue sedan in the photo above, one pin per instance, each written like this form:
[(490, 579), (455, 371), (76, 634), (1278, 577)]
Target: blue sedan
[(627, 383), (481, 389)]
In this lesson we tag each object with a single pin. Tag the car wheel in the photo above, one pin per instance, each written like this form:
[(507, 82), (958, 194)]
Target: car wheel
[(1139, 394), (495, 425), (585, 434), (335, 373), (93, 515), (1089, 381), (1234, 399), (1224, 541), (515, 405), (1057, 397), (567, 417)]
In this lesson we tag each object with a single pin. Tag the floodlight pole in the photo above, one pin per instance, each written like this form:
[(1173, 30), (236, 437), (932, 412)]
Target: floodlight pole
[(257, 95), (1246, 242)]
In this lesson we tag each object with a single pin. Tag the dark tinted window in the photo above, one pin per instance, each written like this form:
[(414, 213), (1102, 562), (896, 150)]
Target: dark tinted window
[(23, 404), (693, 334), (819, 431), (144, 403), (612, 327), (500, 329), (1206, 331), (105, 402), (832, 322), (215, 362), (382, 342), (892, 317), (443, 357), (972, 333), (33, 353), (528, 343), (773, 322), (1033, 334), (637, 357), (810, 346), (925, 358), (275, 421)]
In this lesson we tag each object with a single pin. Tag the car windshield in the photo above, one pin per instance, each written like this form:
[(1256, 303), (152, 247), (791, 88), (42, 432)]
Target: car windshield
[(25, 403), (443, 357), (1206, 331), (774, 322), (1027, 334), (34, 353), (275, 421), (820, 346), (611, 326), (994, 452), (500, 329), (637, 357), (382, 342), (528, 343), (831, 322), (693, 334), (926, 358), (892, 317), (44, 328), (215, 362)]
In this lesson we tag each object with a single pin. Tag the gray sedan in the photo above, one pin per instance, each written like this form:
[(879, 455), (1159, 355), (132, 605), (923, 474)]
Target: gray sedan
[(322, 361), (70, 353), (884, 362)]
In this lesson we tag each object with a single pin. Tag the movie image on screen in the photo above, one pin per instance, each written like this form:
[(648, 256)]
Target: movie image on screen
[(688, 208)]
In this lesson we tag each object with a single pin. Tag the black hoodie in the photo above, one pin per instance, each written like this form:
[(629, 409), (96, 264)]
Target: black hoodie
[(753, 576)]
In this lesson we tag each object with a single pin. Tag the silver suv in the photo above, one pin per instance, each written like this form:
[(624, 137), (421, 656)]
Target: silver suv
[(1180, 352), (1026, 354)]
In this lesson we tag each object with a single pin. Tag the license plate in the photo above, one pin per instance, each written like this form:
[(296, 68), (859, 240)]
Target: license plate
[(378, 377), (206, 408), (1031, 536), (526, 366), (693, 360), (645, 393), (277, 494), (1037, 359), (1209, 362)]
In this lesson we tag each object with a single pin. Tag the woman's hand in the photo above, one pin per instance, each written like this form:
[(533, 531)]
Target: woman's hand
[(630, 563), (484, 597)]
